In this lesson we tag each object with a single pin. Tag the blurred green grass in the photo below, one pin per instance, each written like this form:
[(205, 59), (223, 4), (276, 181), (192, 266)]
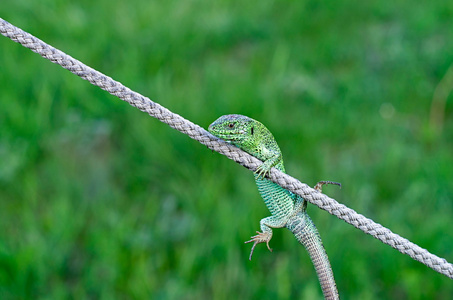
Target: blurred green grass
[(99, 201)]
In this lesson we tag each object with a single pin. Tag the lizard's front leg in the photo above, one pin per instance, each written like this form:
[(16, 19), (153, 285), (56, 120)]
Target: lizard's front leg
[(266, 232), (271, 160)]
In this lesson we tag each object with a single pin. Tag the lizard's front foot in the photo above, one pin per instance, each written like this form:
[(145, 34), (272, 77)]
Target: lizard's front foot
[(262, 171), (261, 237)]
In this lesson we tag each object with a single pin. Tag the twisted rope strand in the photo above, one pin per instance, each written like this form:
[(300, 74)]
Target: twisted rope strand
[(201, 135)]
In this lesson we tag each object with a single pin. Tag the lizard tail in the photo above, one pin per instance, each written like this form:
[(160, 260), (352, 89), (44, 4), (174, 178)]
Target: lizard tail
[(306, 233)]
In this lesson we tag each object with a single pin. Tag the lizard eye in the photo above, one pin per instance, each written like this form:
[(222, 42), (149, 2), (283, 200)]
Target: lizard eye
[(231, 125)]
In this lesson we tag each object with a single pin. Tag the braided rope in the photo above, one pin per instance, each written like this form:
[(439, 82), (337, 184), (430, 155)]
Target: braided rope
[(201, 135)]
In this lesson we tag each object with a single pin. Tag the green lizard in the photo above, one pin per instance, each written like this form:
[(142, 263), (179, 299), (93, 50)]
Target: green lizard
[(287, 209)]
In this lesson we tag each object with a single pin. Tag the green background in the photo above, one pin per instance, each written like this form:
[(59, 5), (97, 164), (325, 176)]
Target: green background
[(100, 201)]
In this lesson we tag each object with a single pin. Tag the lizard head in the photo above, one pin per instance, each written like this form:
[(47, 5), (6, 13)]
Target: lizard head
[(250, 136), (235, 129)]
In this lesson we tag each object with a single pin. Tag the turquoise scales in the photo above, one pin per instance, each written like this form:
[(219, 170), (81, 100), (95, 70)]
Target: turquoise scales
[(287, 209)]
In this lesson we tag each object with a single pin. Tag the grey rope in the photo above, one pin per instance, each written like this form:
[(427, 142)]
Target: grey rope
[(201, 135)]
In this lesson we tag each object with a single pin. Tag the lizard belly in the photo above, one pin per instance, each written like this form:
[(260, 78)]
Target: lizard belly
[(277, 199)]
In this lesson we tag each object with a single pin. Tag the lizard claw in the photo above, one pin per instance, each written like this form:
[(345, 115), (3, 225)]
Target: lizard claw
[(262, 171), (319, 185), (261, 237)]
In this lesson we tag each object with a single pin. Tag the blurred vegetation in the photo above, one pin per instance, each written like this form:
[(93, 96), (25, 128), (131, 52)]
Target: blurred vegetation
[(100, 201)]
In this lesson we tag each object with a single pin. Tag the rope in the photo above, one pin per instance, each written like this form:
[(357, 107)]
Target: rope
[(201, 135)]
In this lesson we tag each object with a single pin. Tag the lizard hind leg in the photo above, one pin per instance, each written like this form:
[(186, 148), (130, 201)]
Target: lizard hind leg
[(261, 237), (319, 185), (266, 232)]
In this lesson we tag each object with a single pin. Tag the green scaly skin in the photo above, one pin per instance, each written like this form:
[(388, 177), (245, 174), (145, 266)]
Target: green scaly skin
[(287, 209)]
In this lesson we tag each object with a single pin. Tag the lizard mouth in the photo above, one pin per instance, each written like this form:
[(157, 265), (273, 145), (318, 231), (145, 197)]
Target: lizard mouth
[(229, 138)]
